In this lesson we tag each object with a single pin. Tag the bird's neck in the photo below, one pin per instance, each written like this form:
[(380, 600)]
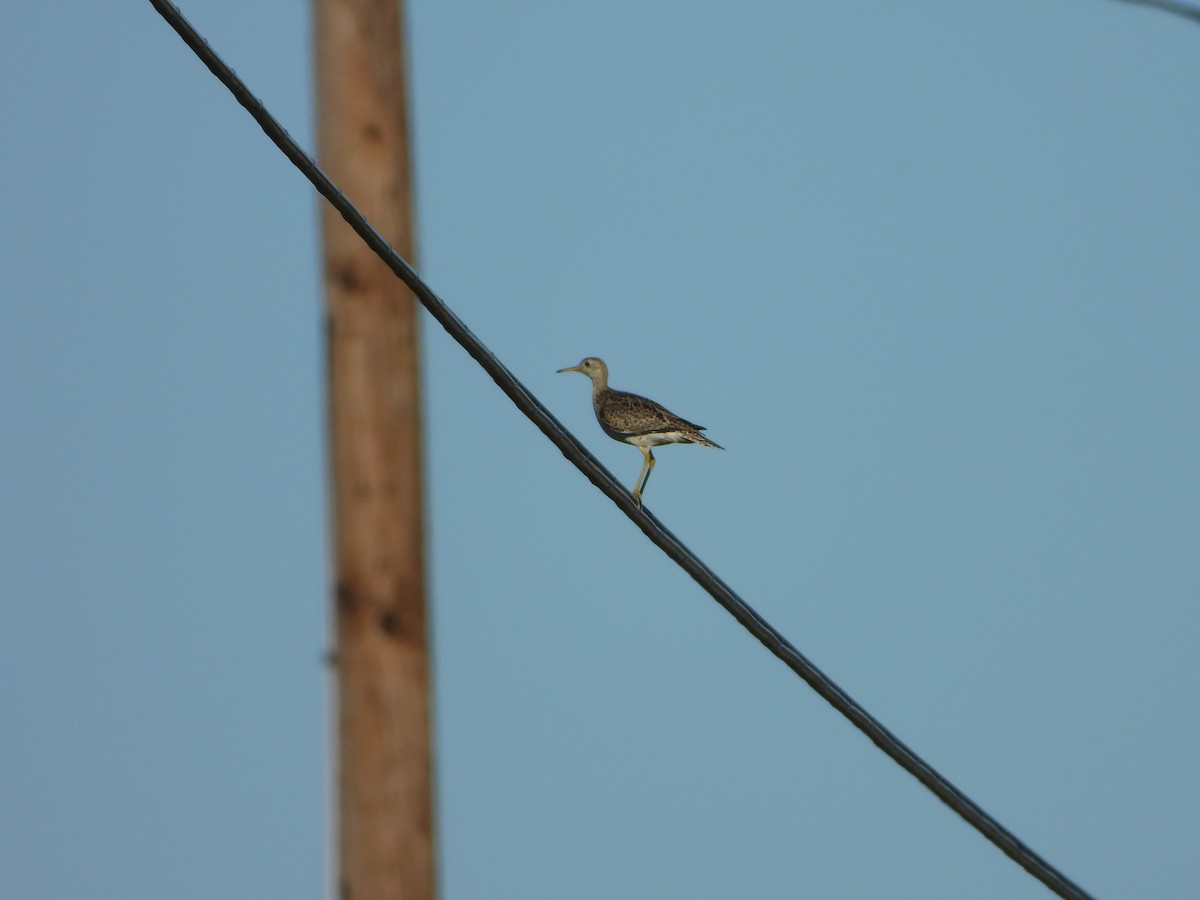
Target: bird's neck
[(599, 388)]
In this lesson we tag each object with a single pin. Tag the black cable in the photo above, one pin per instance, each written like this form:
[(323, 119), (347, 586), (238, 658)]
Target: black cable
[(573, 450), (1179, 9)]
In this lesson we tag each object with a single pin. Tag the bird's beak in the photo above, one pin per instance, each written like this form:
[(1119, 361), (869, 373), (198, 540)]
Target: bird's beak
[(569, 369)]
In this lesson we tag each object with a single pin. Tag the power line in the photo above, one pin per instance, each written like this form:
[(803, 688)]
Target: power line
[(1179, 9), (574, 451)]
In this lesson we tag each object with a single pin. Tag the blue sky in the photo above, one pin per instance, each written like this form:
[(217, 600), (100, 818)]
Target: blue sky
[(927, 270)]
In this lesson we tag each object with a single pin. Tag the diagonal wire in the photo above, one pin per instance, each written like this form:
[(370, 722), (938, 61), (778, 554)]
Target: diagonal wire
[(1171, 6), (574, 451)]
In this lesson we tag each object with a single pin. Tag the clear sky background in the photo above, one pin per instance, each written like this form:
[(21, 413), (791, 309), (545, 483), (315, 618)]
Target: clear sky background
[(929, 271)]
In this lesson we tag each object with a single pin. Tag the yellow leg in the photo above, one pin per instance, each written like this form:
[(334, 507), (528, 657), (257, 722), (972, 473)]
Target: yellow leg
[(647, 467)]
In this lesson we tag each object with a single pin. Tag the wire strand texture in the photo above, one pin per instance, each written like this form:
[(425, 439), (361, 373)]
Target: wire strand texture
[(574, 451)]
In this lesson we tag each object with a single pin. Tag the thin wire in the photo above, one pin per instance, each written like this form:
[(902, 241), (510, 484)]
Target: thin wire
[(573, 450), (1179, 9)]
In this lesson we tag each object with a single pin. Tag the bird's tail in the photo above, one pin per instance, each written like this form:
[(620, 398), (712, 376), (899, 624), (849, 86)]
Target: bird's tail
[(703, 441)]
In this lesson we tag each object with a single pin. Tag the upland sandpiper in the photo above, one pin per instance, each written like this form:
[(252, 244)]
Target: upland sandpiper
[(636, 420)]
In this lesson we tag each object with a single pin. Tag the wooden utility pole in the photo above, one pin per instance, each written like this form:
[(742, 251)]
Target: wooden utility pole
[(384, 782)]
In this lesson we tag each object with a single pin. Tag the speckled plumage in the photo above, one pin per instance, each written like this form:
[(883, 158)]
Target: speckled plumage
[(636, 420), (623, 415)]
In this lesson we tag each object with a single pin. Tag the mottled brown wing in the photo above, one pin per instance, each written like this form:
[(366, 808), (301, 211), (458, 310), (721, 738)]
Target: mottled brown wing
[(630, 414)]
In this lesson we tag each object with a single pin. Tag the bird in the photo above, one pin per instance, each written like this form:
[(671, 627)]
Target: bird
[(636, 420)]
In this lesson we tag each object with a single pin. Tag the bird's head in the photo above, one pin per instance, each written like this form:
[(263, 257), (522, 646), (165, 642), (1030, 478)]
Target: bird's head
[(593, 367)]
